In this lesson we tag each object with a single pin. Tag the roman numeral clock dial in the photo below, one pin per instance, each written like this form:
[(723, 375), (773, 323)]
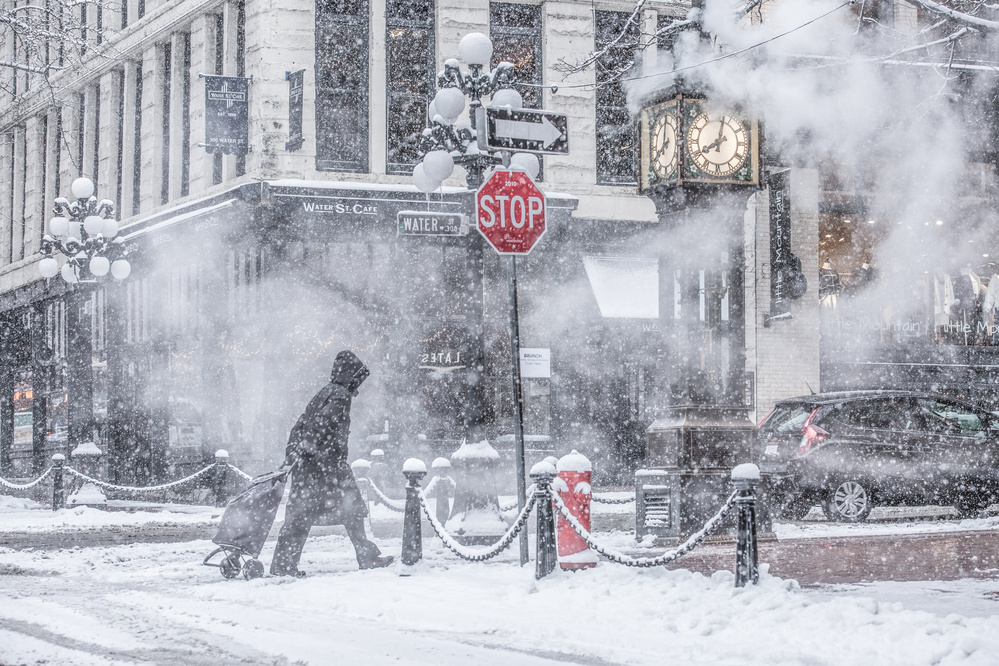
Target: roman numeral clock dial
[(717, 144)]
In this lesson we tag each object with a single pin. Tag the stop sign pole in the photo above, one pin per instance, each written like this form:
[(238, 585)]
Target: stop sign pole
[(510, 215)]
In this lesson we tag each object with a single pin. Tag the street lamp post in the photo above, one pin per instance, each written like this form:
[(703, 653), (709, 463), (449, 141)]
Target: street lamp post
[(85, 233), (446, 142)]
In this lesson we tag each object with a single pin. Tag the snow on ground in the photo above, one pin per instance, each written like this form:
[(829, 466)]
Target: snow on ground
[(147, 603)]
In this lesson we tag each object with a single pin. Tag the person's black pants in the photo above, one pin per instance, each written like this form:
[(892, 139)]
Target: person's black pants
[(295, 531)]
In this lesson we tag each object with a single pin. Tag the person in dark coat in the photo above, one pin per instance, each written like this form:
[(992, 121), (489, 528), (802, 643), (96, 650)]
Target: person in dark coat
[(323, 489)]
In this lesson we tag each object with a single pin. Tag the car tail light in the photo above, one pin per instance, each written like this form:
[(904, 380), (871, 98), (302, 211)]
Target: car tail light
[(811, 435)]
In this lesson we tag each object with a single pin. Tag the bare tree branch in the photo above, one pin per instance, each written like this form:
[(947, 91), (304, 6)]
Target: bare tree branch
[(962, 17), (629, 41)]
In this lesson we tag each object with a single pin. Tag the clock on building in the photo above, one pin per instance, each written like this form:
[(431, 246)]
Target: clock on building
[(689, 140)]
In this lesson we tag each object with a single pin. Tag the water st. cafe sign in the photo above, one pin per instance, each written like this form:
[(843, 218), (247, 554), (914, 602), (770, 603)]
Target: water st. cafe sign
[(227, 114)]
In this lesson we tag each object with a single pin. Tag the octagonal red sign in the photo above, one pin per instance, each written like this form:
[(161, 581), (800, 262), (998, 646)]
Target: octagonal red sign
[(510, 212)]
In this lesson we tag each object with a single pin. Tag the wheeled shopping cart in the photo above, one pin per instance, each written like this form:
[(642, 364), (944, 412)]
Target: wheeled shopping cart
[(245, 524)]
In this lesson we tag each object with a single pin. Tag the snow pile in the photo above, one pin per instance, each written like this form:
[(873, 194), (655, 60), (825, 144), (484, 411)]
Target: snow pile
[(154, 602)]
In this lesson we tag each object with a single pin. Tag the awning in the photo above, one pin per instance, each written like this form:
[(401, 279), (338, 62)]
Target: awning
[(625, 287)]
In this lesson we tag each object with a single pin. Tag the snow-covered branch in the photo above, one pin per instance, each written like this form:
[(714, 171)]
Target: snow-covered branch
[(962, 17)]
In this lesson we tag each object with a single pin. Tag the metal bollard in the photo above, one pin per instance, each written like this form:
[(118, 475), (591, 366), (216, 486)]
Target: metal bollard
[(441, 467), (412, 537), (221, 469), (546, 559), (58, 492), (745, 477), (361, 469)]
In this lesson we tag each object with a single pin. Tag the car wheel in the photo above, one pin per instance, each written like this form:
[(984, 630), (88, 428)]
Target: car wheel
[(847, 502)]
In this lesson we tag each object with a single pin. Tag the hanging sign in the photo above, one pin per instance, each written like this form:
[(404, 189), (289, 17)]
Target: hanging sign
[(780, 245), (296, 84), (535, 362), (226, 114)]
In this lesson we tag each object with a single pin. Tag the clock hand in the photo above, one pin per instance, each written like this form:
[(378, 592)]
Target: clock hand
[(716, 144)]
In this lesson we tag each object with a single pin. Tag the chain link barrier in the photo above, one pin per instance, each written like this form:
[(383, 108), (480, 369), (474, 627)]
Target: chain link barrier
[(144, 489), (665, 558), (605, 500), (492, 551), (243, 474), (25, 486), (384, 499)]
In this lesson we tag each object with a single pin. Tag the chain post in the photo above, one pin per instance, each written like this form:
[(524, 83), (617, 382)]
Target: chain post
[(58, 492), (745, 477), (546, 558), (361, 469), (412, 536), (221, 470), (441, 467)]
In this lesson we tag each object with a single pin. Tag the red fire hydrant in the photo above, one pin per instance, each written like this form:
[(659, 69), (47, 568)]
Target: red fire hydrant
[(573, 486)]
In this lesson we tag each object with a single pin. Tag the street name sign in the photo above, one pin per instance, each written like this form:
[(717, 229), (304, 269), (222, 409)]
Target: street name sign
[(510, 212), (426, 223), (522, 130)]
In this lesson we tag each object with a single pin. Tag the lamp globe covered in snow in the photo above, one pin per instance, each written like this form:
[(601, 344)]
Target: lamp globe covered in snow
[(85, 233), (447, 140)]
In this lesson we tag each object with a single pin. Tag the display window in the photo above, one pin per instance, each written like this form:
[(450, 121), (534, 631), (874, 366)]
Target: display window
[(884, 281)]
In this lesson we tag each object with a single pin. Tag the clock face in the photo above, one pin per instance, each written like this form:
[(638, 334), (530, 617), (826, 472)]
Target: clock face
[(665, 157), (717, 144)]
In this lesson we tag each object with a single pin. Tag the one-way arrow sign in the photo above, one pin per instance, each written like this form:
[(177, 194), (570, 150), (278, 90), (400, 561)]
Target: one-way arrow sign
[(523, 130)]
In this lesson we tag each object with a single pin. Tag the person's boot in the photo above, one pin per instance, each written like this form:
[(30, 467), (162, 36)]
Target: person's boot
[(377, 563)]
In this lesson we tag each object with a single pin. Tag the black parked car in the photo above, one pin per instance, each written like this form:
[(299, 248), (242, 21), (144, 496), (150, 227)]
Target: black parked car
[(849, 451)]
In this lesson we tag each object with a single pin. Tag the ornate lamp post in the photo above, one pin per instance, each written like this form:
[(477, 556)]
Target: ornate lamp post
[(447, 142), (84, 233)]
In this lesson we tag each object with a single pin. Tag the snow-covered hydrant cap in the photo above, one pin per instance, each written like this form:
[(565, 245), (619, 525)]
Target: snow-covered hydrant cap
[(574, 462)]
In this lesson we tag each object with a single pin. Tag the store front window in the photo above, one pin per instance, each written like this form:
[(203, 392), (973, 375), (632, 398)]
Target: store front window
[(890, 282)]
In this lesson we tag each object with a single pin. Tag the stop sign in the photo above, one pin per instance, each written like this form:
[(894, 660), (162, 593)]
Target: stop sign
[(510, 212)]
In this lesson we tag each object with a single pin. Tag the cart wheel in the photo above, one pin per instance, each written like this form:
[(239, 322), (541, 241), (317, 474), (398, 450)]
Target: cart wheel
[(230, 566), (253, 569)]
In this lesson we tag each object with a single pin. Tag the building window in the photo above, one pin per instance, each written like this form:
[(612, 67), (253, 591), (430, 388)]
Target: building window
[(185, 133), (219, 63), (342, 85), (240, 67), (95, 120), (617, 157), (515, 31), (137, 140), (120, 147), (166, 60), (409, 45)]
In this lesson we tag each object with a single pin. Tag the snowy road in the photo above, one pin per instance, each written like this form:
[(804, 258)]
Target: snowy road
[(153, 603)]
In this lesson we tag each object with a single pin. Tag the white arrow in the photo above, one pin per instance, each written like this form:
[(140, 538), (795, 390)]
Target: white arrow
[(545, 131)]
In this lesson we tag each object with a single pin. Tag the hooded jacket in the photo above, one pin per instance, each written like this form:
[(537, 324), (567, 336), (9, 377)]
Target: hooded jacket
[(322, 483)]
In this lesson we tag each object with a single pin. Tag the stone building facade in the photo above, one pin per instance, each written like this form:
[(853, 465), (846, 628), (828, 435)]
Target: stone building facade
[(251, 271)]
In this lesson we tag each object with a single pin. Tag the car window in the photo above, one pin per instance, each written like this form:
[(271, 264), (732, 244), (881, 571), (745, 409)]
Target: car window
[(947, 418), (787, 418), (877, 414)]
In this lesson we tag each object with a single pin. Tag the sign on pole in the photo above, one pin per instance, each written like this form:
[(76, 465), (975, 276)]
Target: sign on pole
[(522, 130), (536, 362), (226, 114), (425, 223), (510, 212)]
